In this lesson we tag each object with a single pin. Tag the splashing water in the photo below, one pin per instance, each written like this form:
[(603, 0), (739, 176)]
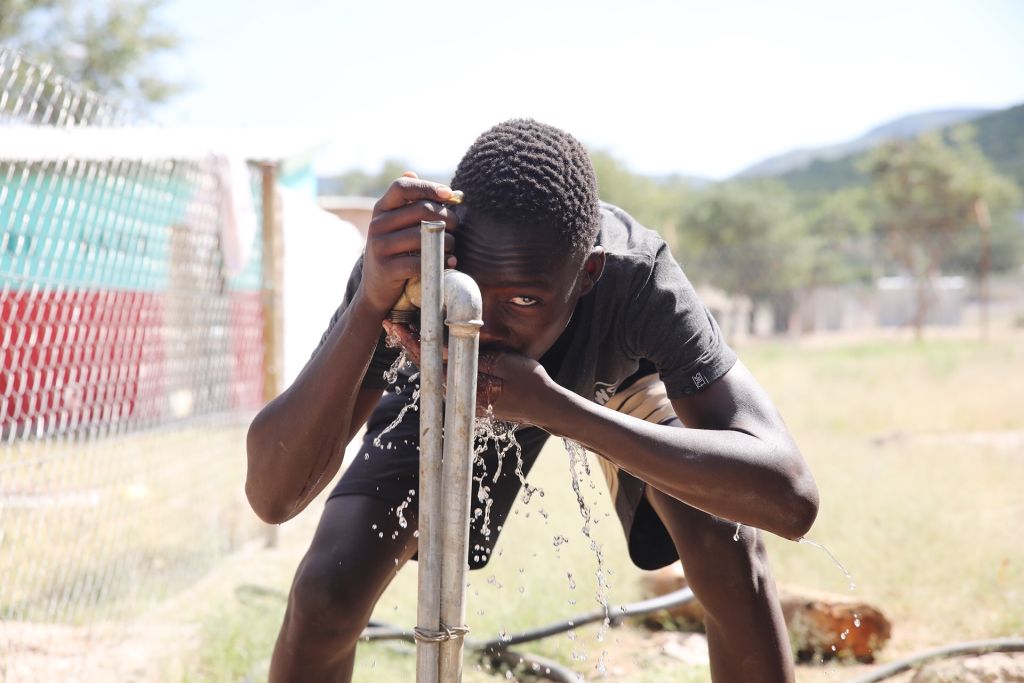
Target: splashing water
[(391, 376), (411, 405), (487, 429), (483, 431), (835, 560), (578, 457), (400, 510)]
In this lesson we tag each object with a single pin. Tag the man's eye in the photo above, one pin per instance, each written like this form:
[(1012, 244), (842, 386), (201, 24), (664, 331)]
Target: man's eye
[(524, 301)]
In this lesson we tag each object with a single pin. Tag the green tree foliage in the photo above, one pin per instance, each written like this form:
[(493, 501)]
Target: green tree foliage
[(924, 193), (749, 240), (840, 239), (107, 47), (359, 183)]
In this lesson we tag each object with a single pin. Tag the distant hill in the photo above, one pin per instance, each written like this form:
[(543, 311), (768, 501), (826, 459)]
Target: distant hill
[(903, 127), (1000, 136)]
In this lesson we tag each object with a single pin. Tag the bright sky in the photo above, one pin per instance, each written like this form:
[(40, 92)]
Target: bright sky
[(699, 88)]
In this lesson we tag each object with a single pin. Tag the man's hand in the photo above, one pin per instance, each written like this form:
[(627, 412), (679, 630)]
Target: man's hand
[(517, 388), (514, 387), (393, 240)]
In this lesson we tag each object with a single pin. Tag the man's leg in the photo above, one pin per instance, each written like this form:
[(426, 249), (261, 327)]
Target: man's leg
[(747, 638), (350, 562)]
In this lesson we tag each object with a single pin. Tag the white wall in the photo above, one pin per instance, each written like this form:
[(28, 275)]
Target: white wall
[(319, 252)]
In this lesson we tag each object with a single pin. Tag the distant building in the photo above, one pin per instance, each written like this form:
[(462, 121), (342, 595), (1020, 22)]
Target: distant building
[(897, 301)]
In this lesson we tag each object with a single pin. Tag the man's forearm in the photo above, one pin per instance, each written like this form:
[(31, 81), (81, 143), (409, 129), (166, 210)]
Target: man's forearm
[(296, 442), (728, 473)]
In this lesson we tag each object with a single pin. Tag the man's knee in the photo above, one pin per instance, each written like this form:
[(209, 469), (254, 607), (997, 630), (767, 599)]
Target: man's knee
[(329, 599), (721, 565), (725, 574)]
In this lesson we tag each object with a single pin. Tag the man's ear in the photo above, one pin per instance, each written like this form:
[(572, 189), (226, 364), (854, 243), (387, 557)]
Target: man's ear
[(593, 269)]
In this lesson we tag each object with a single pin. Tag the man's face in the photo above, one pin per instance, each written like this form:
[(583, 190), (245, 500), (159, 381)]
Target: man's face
[(529, 283)]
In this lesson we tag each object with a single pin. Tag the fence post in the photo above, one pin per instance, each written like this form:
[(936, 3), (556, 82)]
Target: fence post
[(985, 263), (271, 278)]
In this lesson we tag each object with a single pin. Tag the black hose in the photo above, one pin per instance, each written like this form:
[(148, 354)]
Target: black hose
[(976, 647), (615, 614), (534, 665), (497, 648)]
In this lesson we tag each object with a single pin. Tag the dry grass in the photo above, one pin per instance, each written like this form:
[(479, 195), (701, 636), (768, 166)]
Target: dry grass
[(919, 454)]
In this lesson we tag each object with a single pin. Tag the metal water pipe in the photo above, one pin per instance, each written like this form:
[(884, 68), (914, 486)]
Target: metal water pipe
[(446, 464)]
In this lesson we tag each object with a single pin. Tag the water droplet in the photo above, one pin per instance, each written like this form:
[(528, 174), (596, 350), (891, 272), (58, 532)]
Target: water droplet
[(835, 560)]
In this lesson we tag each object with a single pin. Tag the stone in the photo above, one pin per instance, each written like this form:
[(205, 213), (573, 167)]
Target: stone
[(996, 667), (822, 626)]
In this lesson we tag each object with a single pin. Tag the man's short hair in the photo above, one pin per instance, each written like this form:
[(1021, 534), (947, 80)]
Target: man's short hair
[(523, 172)]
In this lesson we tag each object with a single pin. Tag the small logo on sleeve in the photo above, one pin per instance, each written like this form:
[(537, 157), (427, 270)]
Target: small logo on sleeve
[(699, 381)]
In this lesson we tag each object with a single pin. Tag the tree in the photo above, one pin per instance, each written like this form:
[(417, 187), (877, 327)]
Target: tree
[(925, 192), (840, 239), (359, 183), (105, 47), (748, 240)]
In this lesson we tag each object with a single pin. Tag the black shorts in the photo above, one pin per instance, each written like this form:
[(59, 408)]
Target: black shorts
[(390, 471)]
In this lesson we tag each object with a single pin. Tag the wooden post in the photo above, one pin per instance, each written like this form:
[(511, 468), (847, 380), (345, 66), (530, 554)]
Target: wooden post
[(985, 223), (271, 294)]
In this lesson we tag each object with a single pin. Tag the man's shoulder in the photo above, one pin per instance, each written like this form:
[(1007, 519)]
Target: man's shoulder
[(623, 236)]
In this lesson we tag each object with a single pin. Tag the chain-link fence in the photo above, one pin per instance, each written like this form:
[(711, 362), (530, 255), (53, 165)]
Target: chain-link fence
[(132, 361)]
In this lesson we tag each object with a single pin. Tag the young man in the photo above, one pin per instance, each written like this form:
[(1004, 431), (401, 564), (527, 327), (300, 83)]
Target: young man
[(591, 332)]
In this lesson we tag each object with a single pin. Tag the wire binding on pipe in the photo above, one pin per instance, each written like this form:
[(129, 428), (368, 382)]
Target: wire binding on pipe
[(426, 635)]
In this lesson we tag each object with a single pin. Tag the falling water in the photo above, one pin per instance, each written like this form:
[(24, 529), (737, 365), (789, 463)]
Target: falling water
[(835, 560), (486, 430), (578, 456), (411, 405), (391, 374), (391, 377), (400, 510)]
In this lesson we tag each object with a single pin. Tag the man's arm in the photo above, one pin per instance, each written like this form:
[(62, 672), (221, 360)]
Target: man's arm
[(735, 459), (296, 442)]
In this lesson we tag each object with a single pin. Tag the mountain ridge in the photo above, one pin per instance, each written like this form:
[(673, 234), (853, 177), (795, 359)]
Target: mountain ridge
[(908, 126)]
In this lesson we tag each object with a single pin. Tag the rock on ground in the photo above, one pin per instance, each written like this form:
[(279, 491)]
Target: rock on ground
[(991, 668)]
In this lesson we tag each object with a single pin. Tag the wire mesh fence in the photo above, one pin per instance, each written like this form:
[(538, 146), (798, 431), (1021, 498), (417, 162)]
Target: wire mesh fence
[(132, 361)]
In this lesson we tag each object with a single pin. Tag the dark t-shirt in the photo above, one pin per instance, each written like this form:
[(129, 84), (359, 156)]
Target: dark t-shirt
[(642, 312)]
